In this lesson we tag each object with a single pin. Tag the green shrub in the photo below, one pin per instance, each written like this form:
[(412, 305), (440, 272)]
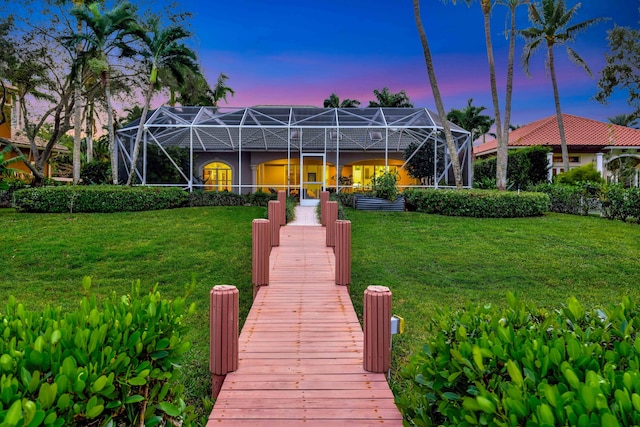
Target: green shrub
[(525, 167), (582, 173), (11, 186), (102, 365), (477, 203), (577, 199), (526, 366), (614, 205), (260, 198), (385, 186), (343, 199), (216, 198), (104, 198), (632, 203), (96, 172)]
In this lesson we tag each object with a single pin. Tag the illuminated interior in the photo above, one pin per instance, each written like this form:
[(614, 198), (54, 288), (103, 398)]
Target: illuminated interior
[(217, 177)]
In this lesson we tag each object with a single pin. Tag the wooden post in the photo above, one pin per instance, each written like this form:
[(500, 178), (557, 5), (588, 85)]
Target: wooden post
[(261, 248), (332, 217), (274, 218), (324, 198), (377, 329), (282, 198), (343, 252), (223, 333)]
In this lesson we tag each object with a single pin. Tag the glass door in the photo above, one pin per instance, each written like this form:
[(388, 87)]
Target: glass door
[(312, 178)]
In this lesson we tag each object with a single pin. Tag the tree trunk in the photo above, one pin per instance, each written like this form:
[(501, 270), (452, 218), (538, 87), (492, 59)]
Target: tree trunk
[(556, 98), (502, 152), (437, 97), (136, 145), (112, 138), (77, 114), (509, 94), (89, 131)]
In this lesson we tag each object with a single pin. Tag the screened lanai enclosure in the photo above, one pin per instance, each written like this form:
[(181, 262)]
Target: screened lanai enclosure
[(302, 150)]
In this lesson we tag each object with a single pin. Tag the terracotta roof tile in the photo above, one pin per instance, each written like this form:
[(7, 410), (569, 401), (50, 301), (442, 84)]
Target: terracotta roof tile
[(578, 131)]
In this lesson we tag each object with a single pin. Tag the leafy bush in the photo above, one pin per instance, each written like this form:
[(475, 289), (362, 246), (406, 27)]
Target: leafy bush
[(107, 365), (216, 198), (385, 185), (577, 199), (96, 172), (477, 203), (260, 198), (527, 366), (343, 199), (10, 186), (614, 202), (107, 198), (582, 173), (525, 167)]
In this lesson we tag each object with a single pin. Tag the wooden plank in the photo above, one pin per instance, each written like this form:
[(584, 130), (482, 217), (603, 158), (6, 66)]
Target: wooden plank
[(301, 359)]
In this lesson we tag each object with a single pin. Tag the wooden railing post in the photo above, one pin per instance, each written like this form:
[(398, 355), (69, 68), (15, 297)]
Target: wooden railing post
[(324, 198), (343, 252), (274, 218), (282, 198), (261, 248), (223, 334), (332, 217), (377, 329)]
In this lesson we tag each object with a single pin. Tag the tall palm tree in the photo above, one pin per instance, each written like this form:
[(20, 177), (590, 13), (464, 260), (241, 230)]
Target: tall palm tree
[(451, 145), (385, 98), (551, 26), (107, 33), (220, 89), (333, 101), (161, 50), (628, 120), (512, 5)]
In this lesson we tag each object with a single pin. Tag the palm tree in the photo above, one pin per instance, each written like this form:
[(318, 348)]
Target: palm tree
[(6, 165), (550, 22), (628, 120), (220, 89), (502, 179), (106, 35), (471, 118), (451, 145), (385, 98), (161, 50), (333, 101)]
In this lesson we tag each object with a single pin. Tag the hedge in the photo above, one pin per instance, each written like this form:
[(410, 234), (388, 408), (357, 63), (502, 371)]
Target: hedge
[(613, 200), (98, 198), (524, 366), (477, 203), (525, 167), (110, 365)]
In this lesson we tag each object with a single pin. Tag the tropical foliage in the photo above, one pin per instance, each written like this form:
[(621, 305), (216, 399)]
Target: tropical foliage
[(470, 118), (386, 98), (334, 102), (622, 67)]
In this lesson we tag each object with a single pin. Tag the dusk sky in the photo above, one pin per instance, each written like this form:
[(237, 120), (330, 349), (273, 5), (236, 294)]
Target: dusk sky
[(299, 52), (286, 52)]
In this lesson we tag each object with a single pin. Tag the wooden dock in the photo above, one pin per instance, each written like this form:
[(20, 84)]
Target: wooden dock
[(301, 349)]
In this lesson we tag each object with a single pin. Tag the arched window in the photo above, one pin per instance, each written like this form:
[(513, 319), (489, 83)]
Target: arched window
[(217, 177)]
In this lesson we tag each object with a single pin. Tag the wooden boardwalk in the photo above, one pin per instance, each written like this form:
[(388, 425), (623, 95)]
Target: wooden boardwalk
[(301, 349)]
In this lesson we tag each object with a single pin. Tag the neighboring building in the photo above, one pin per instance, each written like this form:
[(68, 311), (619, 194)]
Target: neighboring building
[(19, 139), (300, 149), (588, 141)]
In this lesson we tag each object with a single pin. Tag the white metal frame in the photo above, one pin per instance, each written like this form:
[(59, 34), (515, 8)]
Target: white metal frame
[(329, 131)]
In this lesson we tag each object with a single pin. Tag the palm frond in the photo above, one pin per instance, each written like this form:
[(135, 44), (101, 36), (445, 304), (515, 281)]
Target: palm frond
[(577, 59)]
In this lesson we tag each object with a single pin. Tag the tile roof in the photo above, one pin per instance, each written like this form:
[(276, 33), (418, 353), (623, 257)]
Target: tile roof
[(579, 131)]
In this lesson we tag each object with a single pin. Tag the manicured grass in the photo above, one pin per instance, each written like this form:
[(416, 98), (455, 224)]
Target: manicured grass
[(428, 261), (45, 256)]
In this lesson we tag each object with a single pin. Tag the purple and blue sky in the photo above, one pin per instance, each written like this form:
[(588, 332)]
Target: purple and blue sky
[(295, 52)]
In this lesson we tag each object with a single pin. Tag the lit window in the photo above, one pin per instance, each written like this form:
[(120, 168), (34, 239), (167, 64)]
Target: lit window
[(217, 177)]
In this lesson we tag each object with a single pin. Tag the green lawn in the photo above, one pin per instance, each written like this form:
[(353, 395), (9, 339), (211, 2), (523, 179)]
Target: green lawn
[(427, 261)]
